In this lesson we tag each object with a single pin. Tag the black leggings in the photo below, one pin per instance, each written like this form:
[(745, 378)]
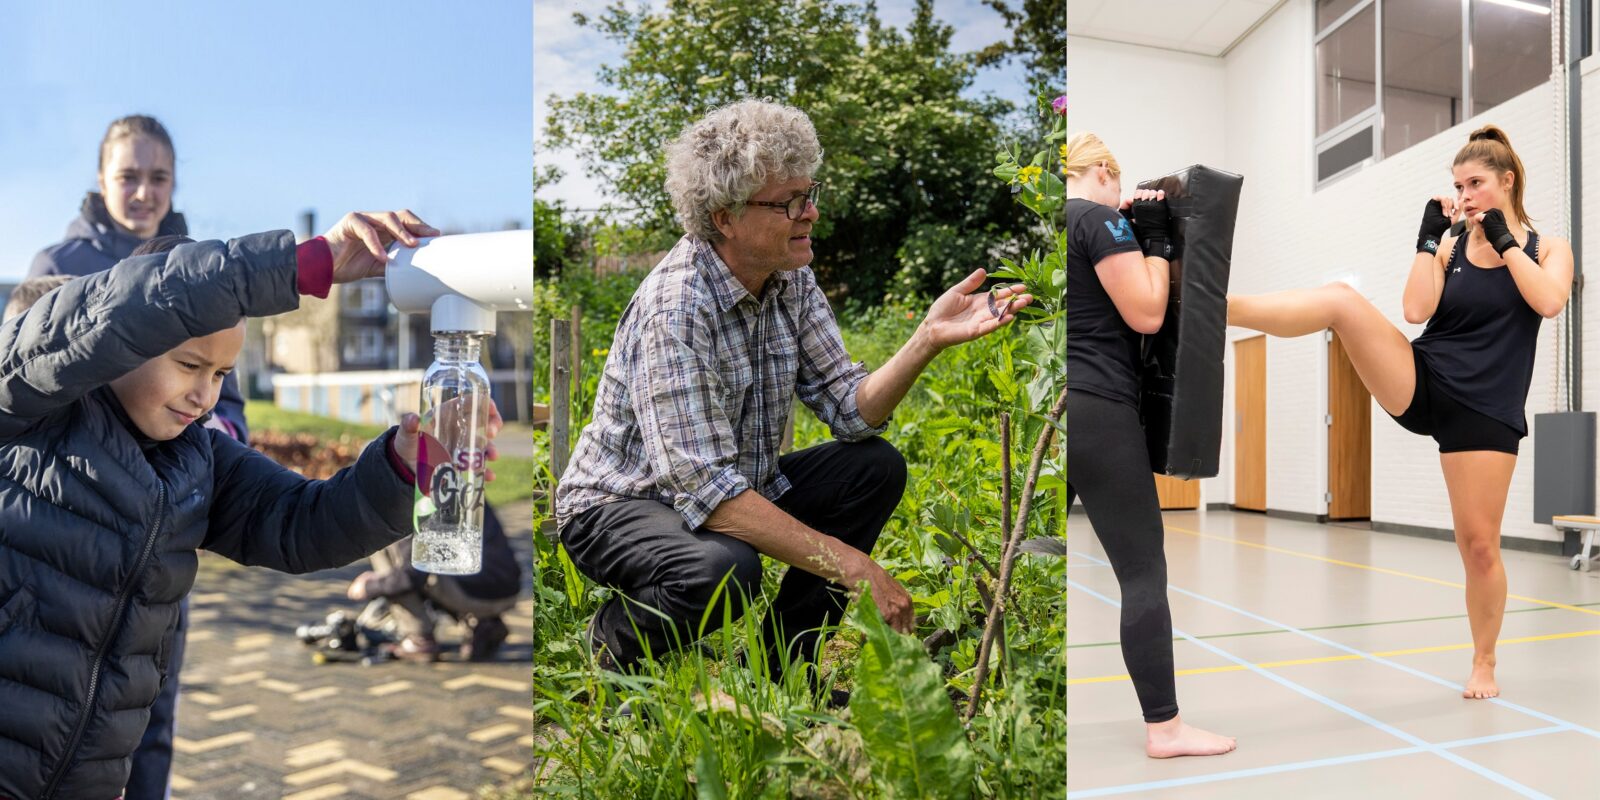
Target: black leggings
[(1108, 466)]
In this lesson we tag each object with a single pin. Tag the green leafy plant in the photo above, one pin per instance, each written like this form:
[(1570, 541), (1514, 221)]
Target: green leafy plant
[(911, 733)]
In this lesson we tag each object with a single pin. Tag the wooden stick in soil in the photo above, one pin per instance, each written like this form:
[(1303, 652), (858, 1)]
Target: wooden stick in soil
[(1005, 508), (987, 644), (1008, 554)]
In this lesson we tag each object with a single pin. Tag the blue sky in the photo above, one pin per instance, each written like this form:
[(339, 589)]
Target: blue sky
[(275, 108), (566, 57)]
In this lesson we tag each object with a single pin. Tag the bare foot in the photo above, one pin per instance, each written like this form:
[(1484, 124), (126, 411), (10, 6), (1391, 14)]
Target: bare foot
[(1481, 685), (1173, 738)]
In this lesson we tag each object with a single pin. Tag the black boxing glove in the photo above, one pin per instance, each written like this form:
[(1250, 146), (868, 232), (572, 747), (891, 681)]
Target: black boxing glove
[(1152, 225), (1496, 231), (1434, 225)]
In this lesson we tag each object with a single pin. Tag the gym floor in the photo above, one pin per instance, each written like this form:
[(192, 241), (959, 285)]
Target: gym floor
[(1335, 655)]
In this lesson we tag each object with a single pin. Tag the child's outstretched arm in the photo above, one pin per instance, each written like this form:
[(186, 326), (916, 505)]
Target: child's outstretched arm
[(97, 328), (265, 515)]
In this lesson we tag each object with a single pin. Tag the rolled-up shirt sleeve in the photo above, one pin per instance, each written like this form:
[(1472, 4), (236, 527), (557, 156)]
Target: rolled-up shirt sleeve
[(827, 380), (676, 394)]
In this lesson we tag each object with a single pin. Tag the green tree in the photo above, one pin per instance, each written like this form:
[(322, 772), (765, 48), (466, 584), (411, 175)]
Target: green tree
[(1038, 39), (903, 145)]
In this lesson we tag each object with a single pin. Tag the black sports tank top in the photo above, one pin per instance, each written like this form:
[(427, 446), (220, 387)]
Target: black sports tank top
[(1480, 343)]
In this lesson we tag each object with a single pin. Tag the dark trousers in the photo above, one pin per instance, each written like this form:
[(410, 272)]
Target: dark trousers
[(646, 552), (152, 761), (1108, 466)]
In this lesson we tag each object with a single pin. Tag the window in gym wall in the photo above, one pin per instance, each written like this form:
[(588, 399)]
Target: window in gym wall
[(1426, 64), (1510, 49), (1422, 70), (1347, 86), (1346, 68)]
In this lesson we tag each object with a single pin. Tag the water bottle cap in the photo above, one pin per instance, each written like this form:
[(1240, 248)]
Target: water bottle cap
[(456, 314)]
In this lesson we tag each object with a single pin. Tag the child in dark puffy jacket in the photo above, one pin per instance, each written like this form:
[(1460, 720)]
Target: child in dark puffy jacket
[(109, 484)]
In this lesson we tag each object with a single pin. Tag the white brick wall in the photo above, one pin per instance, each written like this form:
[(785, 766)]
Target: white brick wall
[(1359, 229)]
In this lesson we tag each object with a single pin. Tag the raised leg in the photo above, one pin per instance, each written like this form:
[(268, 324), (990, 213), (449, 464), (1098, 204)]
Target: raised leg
[(1378, 350)]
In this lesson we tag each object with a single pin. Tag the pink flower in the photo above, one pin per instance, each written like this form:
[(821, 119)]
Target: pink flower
[(1060, 105)]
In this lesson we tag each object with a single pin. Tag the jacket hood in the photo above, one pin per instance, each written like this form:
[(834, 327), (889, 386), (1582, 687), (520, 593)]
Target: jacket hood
[(94, 224)]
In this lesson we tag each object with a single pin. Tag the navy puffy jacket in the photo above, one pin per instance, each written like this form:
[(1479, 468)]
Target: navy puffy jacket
[(99, 525)]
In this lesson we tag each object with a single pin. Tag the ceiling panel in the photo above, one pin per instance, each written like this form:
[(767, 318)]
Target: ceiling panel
[(1207, 27)]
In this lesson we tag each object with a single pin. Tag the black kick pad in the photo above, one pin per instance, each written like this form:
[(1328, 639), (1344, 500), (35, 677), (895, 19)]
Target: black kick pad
[(1181, 389)]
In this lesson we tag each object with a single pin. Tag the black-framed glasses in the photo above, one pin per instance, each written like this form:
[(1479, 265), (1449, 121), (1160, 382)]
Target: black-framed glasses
[(795, 207)]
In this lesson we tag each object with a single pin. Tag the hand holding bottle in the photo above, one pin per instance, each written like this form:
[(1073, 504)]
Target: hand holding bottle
[(407, 439)]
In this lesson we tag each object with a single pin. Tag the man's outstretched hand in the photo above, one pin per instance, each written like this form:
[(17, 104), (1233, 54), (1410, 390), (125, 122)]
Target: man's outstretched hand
[(963, 313)]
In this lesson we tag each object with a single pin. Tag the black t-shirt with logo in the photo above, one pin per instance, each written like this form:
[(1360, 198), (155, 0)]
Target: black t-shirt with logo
[(1102, 351)]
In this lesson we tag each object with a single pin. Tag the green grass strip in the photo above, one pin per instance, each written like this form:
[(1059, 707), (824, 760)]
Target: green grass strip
[(1335, 627), (513, 477)]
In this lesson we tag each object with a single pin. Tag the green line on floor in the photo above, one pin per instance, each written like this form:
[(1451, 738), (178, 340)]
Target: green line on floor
[(1334, 627)]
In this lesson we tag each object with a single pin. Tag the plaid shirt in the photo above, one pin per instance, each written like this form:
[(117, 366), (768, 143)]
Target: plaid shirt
[(699, 385)]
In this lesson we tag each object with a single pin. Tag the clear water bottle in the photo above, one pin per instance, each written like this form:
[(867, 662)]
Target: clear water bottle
[(448, 513)]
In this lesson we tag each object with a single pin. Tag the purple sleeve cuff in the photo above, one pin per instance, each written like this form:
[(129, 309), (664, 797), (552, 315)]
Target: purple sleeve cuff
[(314, 260)]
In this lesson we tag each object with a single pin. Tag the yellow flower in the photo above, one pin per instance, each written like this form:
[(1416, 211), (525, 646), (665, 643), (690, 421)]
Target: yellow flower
[(1028, 175), (601, 352)]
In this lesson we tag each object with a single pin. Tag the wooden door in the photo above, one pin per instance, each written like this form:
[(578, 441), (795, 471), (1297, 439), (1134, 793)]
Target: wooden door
[(1176, 494), (1349, 438), (1250, 424)]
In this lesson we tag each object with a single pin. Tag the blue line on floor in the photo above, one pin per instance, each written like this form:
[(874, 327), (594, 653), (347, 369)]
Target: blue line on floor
[(1340, 707), (1503, 737), (1540, 715), (1108, 791), (1503, 703)]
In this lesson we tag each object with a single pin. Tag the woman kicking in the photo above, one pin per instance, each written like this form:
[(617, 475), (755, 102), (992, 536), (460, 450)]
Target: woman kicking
[(1464, 381)]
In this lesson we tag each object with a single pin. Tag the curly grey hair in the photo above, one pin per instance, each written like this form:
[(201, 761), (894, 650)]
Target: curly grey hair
[(720, 161)]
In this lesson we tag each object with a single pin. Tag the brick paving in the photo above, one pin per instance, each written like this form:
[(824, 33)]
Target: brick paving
[(258, 719)]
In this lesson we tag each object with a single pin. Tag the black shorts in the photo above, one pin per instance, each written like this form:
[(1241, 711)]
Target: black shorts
[(1454, 426)]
